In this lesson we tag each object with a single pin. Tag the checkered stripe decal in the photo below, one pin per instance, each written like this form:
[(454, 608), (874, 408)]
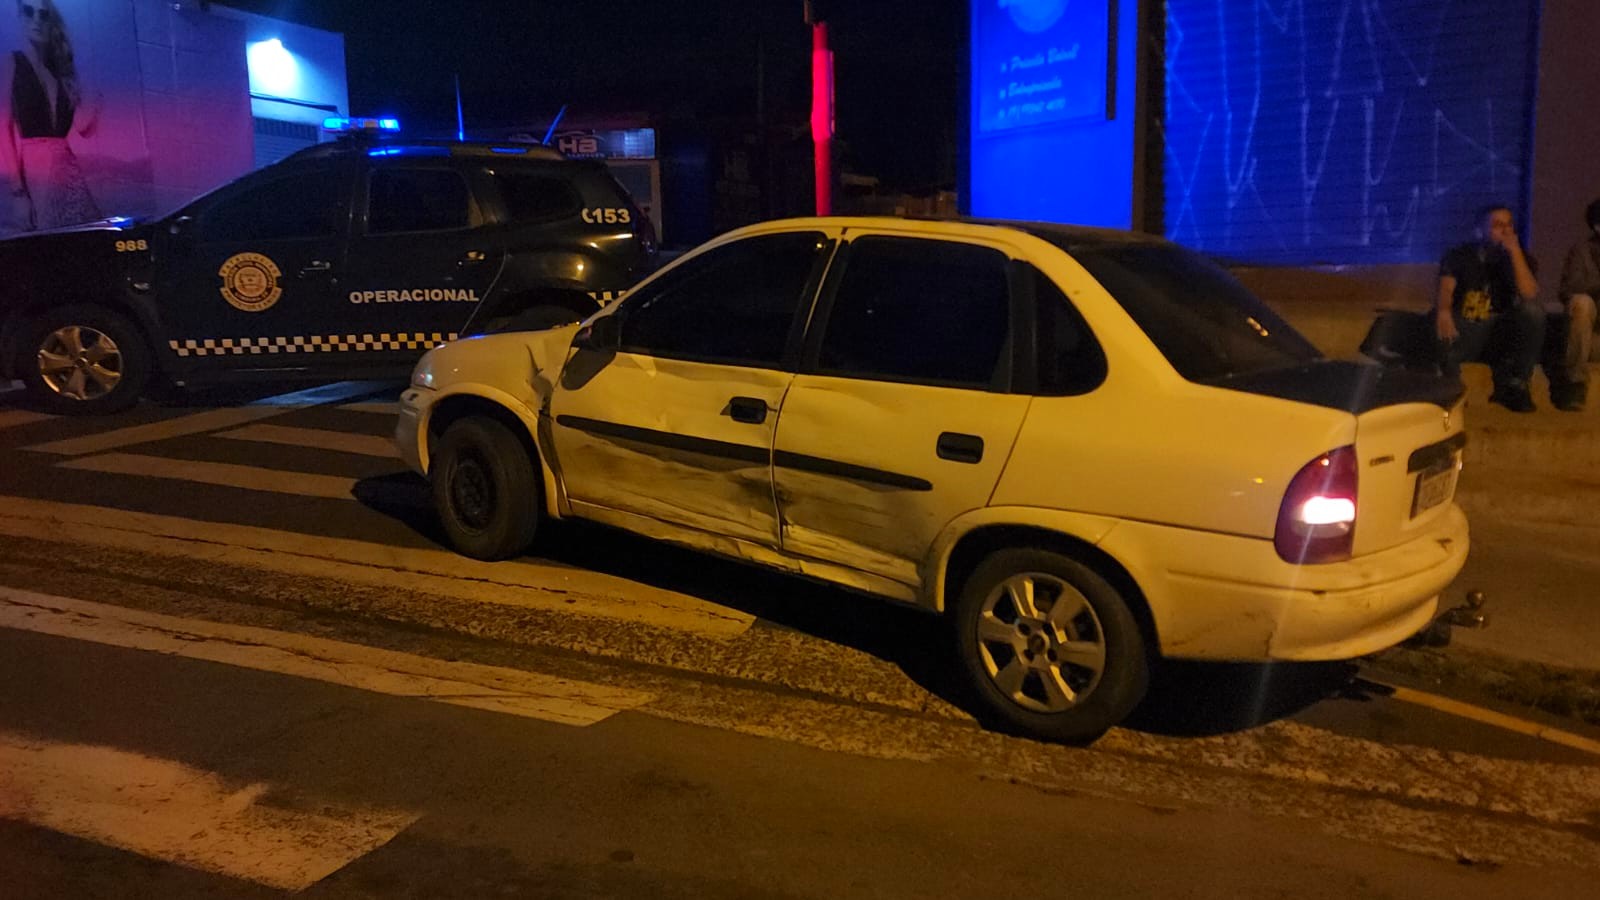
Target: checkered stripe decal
[(606, 298), (316, 343)]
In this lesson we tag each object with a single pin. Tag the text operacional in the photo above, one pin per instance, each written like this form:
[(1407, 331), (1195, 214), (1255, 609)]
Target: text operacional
[(429, 295)]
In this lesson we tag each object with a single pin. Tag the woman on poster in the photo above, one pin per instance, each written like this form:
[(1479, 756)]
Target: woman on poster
[(44, 105)]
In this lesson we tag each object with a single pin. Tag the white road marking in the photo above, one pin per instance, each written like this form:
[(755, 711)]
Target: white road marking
[(253, 478), (163, 809), (11, 418), (511, 692), (531, 585), (209, 420), (388, 408), (322, 439)]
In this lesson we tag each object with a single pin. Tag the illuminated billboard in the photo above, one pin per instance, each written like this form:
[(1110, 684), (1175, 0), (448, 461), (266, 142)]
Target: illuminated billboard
[(1051, 110), (1036, 62)]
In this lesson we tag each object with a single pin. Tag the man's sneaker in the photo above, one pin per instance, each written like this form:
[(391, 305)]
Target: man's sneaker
[(1514, 397), (1569, 397)]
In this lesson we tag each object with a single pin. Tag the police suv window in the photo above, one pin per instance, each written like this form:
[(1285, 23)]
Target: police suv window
[(304, 206), (735, 304), (919, 310), (531, 198), (401, 200)]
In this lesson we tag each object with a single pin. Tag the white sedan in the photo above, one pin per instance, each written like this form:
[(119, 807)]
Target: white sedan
[(1086, 447)]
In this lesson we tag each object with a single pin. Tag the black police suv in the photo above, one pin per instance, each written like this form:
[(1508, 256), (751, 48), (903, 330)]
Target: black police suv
[(346, 260)]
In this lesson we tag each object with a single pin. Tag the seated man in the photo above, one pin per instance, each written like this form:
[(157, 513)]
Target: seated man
[(1580, 286), (1487, 284)]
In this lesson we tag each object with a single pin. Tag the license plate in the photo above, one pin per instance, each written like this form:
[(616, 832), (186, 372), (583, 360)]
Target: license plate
[(1433, 488)]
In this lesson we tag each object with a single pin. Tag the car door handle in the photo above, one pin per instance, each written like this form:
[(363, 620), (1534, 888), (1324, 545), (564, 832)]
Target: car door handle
[(749, 410), (473, 257), (961, 448), (316, 267)]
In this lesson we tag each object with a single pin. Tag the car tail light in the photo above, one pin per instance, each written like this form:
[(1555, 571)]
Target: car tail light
[(1317, 522)]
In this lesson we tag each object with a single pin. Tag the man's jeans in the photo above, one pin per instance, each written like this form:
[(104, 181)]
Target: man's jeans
[(1517, 352), (1580, 337)]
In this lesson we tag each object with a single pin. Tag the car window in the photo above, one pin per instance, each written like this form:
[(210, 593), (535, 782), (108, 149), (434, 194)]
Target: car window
[(919, 310), (1208, 325), (309, 205), (1068, 358), (531, 198), (735, 304), (403, 200)]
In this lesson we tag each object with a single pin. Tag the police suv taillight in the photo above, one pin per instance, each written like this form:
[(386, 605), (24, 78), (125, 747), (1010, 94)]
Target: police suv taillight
[(1317, 521)]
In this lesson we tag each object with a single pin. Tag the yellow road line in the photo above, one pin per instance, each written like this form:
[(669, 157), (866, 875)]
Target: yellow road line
[(251, 478), (322, 439), (1490, 717)]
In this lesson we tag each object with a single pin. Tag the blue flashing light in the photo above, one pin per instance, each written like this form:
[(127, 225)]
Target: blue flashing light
[(509, 151), (386, 151), (341, 123)]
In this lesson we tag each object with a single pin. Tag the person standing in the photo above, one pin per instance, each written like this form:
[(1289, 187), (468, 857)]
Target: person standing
[(1580, 286), (46, 105), (1486, 285)]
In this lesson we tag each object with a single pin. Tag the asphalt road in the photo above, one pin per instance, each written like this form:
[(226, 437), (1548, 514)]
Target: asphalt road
[(235, 660)]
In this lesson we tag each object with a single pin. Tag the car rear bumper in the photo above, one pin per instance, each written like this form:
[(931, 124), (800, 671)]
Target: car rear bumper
[(1240, 602)]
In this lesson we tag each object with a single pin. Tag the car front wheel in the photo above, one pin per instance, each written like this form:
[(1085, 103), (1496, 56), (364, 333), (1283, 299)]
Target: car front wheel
[(1049, 645), (486, 489), (85, 360)]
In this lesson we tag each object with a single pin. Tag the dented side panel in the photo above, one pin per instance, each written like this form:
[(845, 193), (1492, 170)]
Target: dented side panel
[(668, 440), (859, 475)]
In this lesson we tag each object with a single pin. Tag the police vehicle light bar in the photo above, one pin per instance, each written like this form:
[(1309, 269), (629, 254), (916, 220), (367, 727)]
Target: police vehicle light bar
[(340, 123)]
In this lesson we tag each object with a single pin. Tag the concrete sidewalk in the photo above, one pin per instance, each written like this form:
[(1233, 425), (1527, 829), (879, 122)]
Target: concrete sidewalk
[(1531, 485)]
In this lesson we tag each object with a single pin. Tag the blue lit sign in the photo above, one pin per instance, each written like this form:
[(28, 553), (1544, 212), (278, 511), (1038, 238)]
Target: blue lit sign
[(1043, 140), (1035, 62)]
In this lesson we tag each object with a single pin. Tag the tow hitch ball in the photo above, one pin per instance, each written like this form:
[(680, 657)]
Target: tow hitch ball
[(1470, 614)]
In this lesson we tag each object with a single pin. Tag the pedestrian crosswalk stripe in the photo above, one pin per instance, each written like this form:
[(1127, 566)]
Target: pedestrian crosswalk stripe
[(165, 810), (387, 407), (512, 692), (11, 418), (250, 478), (318, 438), (209, 420), (528, 584)]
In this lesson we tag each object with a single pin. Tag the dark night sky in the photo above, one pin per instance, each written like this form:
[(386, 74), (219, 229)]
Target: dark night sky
[(897, 64)]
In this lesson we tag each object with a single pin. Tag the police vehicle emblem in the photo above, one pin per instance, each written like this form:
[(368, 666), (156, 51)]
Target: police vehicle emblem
[(250, 282)]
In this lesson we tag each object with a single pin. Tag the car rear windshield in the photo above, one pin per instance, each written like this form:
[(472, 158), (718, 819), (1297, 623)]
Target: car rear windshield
[(1208, 325)]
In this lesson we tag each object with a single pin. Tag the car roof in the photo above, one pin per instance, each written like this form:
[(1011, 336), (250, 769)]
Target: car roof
[(509, 150), (1068, 237)]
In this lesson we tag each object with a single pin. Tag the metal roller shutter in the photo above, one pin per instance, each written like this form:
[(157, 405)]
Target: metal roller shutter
[(276, 139), (1344, 131)]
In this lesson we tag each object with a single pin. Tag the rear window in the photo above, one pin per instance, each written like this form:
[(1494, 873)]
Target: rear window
[(530, 198), (1207, 324)]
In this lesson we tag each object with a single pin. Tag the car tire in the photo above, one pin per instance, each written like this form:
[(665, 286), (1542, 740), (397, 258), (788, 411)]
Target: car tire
[(486, 489), (85, 360), (1063, 673)]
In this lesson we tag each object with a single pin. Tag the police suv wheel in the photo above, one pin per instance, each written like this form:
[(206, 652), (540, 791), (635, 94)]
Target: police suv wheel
[(486, 489), (1050, 647), (85, 360)]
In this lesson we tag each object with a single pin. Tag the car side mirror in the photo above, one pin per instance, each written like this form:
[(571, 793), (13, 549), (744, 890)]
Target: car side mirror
[(602, 335)]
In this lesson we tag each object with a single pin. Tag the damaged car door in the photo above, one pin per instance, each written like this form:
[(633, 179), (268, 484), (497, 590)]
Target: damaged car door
[(673, 419)]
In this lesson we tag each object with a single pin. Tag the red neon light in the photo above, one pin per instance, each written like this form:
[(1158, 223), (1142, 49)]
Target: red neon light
[(822, 115)]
